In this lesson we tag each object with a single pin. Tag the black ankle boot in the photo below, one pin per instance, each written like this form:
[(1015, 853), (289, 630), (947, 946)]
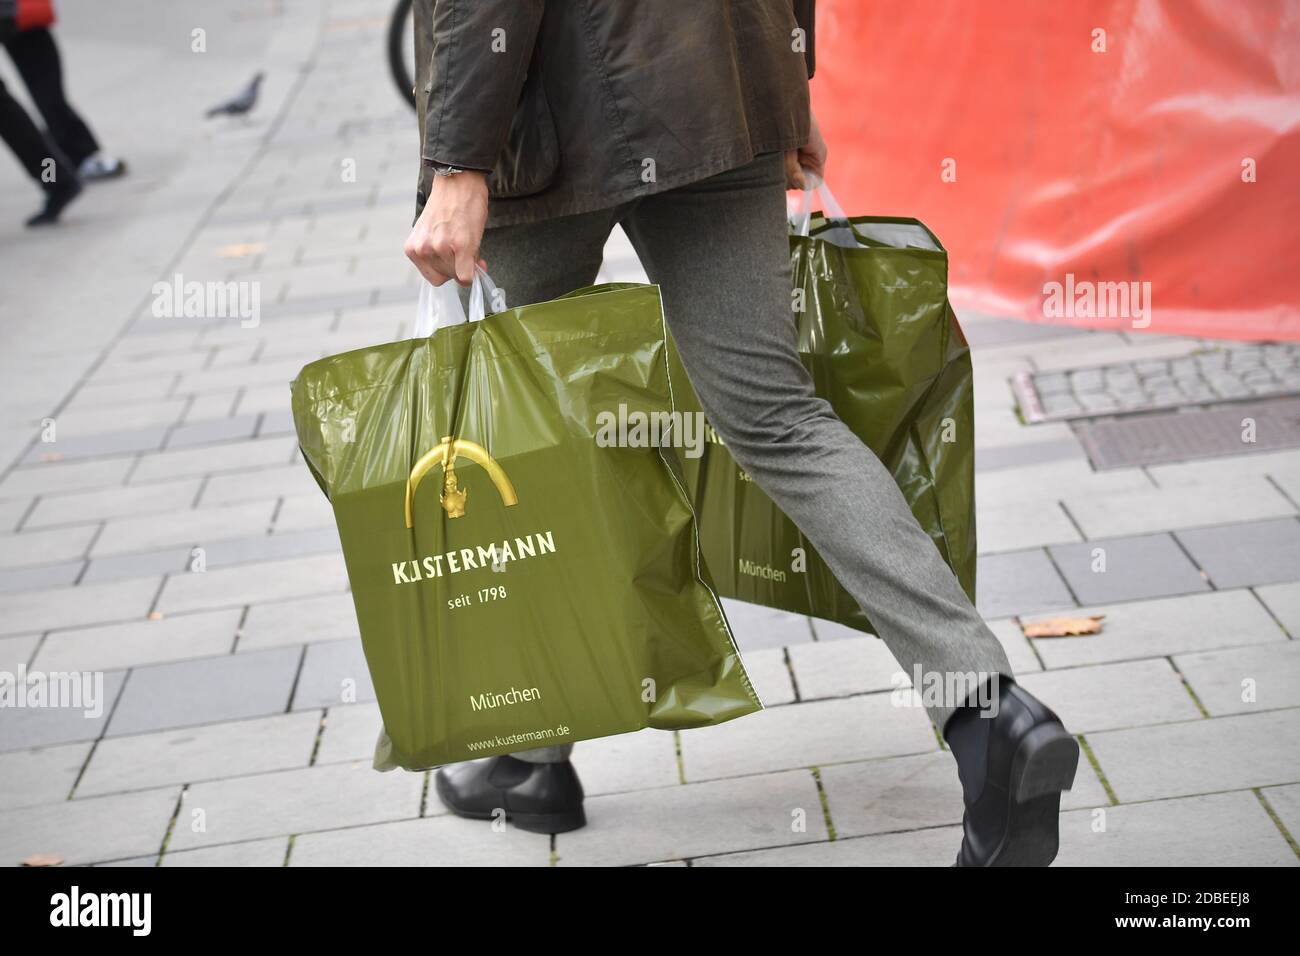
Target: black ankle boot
[(538, 797), (1013, 767), (57, 197)]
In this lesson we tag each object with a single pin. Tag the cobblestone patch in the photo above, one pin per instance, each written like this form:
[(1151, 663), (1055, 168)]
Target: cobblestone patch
[(1201, 377)]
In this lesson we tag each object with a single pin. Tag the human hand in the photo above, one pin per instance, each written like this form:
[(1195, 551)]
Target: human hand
[(444, 241), (810, 157)]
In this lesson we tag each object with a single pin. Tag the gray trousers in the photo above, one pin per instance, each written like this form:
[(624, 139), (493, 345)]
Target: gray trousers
[(719, 251)]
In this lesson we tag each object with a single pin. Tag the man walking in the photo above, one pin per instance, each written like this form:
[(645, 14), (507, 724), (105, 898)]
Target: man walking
[(545, 125)]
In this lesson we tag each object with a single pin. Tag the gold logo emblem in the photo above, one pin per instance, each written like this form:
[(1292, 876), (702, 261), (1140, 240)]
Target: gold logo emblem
[(453, 496)]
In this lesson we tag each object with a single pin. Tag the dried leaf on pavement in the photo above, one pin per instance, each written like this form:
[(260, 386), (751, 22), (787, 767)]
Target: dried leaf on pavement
[(1063, 626)]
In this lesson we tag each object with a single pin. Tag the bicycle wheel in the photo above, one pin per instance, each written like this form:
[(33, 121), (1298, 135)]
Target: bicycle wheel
[(401, 50)]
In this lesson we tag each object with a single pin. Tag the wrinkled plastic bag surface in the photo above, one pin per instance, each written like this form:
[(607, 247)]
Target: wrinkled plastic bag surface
[(516, 585), (885, 350)]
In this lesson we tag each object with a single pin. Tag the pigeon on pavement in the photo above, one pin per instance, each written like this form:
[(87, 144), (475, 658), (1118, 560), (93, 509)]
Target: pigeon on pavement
[(241, 104)]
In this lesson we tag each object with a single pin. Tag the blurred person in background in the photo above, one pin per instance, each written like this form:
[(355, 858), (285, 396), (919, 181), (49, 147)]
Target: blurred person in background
[(41, 159), (544, 125), (32, 48)]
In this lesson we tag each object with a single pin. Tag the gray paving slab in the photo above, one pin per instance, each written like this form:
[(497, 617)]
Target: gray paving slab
[(770, 676), (212, 430), (195, 754), (443, 840), (758, 628), (193, 526), (1019, 582), (213, 459), (40, 775), (1244, 679), (85, 419), (40, 577), (45, 547), (1110, 696), (333, 673), (272, 482), (93, 506), (1165, 626), (1241, 555), (807, 735), (25, 727), (350, 733), (141, 564), (855, 665), (1020, 653), (254, 583), (916, 792), (304, 512), (1028, 453), (1227, 829), (1117, 514), (278, 421), (117, 647), (269, 852), (60, 477), (224, 379), (1028, 523), (674, 823), (1128, 569), (271, 547), (1285, 802), (302, 621), (206, 408), (1231, 753), (206, 690), (17, 651), (150, 859), (294, 802), (933, 847), (627, 762), (100, 445), (89, 831), (1283, 602), (12, 512)]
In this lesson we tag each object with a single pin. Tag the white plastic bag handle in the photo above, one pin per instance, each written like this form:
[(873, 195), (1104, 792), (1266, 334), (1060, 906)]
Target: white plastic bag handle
[(440, 306), (803, 218)]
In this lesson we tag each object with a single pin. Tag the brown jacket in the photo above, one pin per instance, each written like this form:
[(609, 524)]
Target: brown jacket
[(575, 105)]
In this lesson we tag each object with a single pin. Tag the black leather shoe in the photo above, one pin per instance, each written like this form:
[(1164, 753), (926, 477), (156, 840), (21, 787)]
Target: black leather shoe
[(1013, 767), (57, 199), (537, 797)]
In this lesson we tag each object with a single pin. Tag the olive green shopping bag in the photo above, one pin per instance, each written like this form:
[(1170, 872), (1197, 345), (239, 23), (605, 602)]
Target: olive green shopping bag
[(870, 302), (516, 583)]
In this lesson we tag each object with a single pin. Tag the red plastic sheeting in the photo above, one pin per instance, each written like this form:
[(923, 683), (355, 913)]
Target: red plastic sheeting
[(1077, 167)]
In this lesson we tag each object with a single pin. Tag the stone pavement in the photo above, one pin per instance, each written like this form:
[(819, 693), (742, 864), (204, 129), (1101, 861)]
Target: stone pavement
[(170, 539)]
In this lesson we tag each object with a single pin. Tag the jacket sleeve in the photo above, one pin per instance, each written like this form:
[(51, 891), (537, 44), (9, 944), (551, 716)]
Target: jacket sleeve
[(481, 52), (805, 14)]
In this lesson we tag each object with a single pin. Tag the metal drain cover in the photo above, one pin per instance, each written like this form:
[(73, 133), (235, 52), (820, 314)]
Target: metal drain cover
[(1190, 434)]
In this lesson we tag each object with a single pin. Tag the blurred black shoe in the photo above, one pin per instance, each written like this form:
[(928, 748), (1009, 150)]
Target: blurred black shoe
[(57, 197)]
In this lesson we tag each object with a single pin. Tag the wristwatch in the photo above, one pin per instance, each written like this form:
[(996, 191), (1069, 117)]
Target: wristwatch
[(442, 169)]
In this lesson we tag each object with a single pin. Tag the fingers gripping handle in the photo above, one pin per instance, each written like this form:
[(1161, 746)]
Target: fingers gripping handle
[(803, 218), (440, 306)]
